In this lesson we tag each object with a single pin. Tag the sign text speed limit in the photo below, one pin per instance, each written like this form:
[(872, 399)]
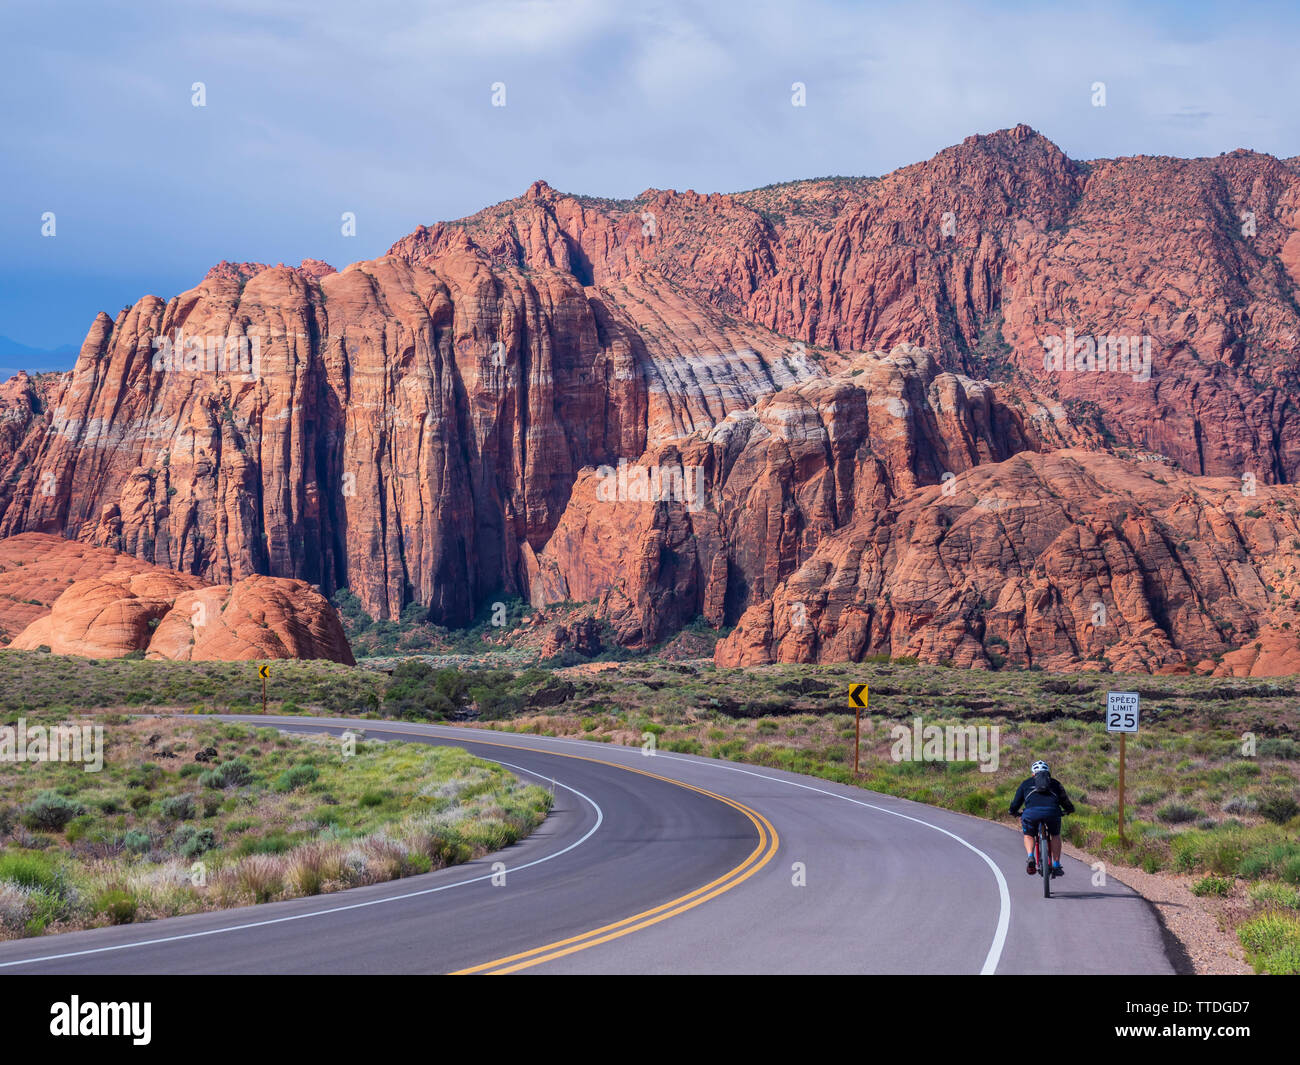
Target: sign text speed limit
[(1122, 711)]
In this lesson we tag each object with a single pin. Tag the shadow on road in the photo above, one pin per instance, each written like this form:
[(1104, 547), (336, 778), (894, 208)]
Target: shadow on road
[(1094, 895)]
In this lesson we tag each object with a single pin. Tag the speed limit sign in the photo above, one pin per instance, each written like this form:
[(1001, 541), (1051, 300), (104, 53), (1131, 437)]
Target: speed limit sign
[(1122, 711)]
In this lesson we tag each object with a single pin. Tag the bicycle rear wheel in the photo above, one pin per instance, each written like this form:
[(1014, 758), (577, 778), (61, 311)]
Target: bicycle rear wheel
[(1045, 866)]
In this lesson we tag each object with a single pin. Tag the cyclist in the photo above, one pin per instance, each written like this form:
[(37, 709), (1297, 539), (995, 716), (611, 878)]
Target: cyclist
[(1043, 798)]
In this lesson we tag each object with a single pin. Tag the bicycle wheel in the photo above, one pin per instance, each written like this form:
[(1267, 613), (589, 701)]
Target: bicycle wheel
[(1045, 867)]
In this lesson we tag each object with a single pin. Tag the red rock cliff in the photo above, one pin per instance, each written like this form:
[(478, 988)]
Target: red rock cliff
[(429, 426)]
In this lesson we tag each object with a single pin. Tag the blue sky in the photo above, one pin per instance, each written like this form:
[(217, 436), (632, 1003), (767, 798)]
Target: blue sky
[(384, 109)]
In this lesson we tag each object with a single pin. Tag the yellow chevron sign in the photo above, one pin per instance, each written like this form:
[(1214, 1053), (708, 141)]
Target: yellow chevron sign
[(858, 696)]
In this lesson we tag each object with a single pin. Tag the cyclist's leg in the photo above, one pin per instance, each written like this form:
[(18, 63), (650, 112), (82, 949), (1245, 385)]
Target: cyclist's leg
[(1029, 829), (1054, 845)]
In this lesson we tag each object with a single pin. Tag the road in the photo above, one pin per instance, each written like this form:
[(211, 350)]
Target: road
[(665, 864)]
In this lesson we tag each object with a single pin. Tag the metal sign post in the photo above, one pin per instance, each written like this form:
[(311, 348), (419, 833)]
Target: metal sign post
[(858, 694), (1122, 714)]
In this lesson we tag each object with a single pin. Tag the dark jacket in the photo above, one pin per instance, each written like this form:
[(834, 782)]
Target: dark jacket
[(1035, 803)]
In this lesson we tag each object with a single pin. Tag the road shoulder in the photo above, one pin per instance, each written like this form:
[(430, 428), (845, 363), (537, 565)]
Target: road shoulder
[(1195, 925)]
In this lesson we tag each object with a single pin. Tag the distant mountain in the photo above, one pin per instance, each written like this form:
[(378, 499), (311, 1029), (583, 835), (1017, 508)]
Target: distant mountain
[(15, 356)]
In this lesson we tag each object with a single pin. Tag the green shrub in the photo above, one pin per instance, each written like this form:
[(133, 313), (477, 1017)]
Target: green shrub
[(495, 703), (145, 776), (78, 828), (118, 906), (731, 750), (274, 843), (178, 807), (297, 777), (419, 692), (232, 774), (1279, 748), (1290, 869), (1271, 893), (31, 869), (1269, 859), (136, 841), (1219, 886), (1278, 807), (50, 812), (190, 842), (1220, 852), (1272, 942), (1176, 813)]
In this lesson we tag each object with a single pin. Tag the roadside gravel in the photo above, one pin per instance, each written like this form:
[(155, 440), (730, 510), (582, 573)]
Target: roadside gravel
[(1197, 924)]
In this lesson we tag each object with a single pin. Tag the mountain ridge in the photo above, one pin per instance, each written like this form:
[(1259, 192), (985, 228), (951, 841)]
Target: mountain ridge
[(422, 426)]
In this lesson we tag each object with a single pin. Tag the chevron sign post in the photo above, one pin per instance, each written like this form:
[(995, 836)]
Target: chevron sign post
[(857, 700)]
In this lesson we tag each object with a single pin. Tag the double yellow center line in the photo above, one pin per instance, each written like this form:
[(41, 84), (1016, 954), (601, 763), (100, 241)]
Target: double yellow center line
[(768, 841)]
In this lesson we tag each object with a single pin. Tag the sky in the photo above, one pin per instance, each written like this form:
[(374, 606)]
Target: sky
[(320, 107)]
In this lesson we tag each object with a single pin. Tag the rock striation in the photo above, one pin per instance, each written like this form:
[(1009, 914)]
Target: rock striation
[(828, 369)]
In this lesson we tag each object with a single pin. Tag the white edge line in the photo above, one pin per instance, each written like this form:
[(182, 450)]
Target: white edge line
[(600, 817), (1004, 896), (991, 960)]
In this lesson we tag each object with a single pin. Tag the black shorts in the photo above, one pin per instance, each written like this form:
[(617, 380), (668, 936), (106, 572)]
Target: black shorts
[(1029, 823)]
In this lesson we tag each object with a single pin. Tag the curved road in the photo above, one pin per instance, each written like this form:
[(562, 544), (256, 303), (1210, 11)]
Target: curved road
[(665, 864)]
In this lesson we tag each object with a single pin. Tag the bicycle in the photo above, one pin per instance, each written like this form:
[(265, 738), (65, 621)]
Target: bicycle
[(1043, 857)]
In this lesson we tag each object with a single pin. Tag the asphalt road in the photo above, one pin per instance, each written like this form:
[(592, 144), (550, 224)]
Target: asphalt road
[(665, 864)]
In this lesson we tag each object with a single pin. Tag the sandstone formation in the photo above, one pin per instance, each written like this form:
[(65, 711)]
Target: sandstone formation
[(257, 617), (742, 506), (1272, 652), (409, 434), (103, 604), (105, 617), (583, 637), (980, 254), (37, 568), (1059, 560), (431, 426)]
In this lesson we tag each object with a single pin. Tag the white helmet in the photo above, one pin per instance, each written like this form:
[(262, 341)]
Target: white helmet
[(1040, 767)]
